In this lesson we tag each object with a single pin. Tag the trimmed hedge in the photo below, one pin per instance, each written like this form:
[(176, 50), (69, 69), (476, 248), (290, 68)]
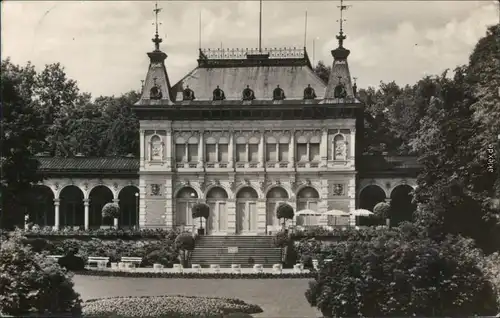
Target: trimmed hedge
[(197, 275), (166, 306), (110, 233)]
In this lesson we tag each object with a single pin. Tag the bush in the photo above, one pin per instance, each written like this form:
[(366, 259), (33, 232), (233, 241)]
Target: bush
[(111, 210), (184, 241), (71, 262), (30, 283), (400, 273), (382, 210), (282, 239), (166, 306), (166, 257), (284, 211), (491, 267), (200, 210)]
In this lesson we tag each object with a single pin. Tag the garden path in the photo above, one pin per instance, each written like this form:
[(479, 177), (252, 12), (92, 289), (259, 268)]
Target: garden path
[(277, 297)]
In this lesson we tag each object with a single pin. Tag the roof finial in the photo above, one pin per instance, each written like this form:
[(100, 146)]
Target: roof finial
[(341, 37), (157, 40)]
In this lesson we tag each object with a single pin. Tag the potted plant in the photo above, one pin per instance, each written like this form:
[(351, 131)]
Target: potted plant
[(382, 210), (184, 243), (201, 210), (111, 210), (284, 211)]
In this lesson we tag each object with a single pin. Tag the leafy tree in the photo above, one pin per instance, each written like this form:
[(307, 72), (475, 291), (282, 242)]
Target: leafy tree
[(200, 210), (23, 135), (59, 100), (285, 212), (323, 71), (123, 130)]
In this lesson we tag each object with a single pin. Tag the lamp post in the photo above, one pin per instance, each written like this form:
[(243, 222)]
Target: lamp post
[(137, 209)]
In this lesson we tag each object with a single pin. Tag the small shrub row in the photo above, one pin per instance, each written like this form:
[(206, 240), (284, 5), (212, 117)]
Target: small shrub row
[(105, 233), (151, 251), (166, 306), (197, 275)]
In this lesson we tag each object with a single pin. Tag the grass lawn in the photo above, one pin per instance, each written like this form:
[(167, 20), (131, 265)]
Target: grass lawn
[(277, 297)]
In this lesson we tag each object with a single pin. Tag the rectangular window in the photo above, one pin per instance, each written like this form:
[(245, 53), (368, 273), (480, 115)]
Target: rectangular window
[(271, 153), (193, 153), (302, 152), (223, 153), (210, 155), (283, 153), (241, 153), (314, 152), (180, 153), (253, 152)]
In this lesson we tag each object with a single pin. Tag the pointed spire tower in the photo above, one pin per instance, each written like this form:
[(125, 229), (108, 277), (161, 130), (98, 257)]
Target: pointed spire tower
[(156, 88), (339, 88)]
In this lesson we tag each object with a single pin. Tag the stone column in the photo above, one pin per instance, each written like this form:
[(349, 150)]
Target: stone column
[(116, 220), (142, 155), (142, 201), (56, 214), (201, 150), (261, 150), (168, 146), (292, 150), (86, 214), (261, 216), (231, 216), (353, 143), (230, 149), (169, 204), (323, 148)]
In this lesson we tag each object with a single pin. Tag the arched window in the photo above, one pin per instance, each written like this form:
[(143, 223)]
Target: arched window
[(218, 94), (339, 148), (156, 148), (274, 197), (188, 94), (278, 93), (307, 199), (185, 199), (217, 201), (248, 94), (186, 150), (247, 150), (246, 210), (217, 150), (309, 92), (277, 149), (308, 149)]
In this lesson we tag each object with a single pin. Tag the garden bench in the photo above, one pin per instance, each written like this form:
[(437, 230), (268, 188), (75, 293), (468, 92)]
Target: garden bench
[(215, 268), (196, 267), (178, 268), (236, 268), (258, 268), (99, 261), (298, 268), (54, 257), (278, 268), (136, 261)]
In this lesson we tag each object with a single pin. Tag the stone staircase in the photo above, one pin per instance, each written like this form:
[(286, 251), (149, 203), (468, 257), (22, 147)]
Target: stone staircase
[(243, 250)]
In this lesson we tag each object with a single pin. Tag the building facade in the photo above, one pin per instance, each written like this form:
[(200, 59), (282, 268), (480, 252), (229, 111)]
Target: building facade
[(243, 132)]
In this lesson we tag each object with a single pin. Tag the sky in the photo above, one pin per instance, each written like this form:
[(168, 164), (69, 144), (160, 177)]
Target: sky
[(103, 44)]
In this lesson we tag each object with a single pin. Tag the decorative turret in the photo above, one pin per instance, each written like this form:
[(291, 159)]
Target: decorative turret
[(339, 88), (156, 89)]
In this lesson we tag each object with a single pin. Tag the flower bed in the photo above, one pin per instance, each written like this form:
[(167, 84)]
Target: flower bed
[(197, 275), (166, 306)]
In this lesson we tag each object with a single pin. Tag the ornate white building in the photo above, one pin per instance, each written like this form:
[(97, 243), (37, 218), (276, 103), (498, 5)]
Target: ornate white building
[(243, 132)]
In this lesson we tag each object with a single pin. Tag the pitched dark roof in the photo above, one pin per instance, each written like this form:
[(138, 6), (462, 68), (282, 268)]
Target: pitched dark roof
[(232, 70), (85, 164)]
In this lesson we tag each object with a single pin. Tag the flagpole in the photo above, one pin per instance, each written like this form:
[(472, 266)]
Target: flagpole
[(260, 27)]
